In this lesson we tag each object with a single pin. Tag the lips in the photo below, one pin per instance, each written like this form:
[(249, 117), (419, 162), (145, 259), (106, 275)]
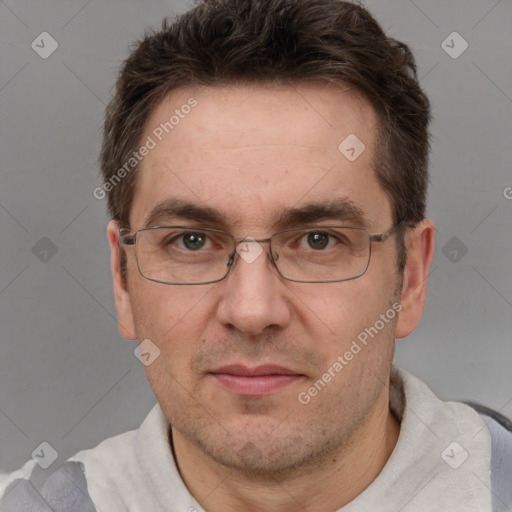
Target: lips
[(267, 369), (256, 381)]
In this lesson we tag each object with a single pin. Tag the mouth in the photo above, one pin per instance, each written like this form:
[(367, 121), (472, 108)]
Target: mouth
[(255, 381)]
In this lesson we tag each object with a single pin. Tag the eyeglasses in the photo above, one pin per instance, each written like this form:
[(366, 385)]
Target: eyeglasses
[(195, 255)]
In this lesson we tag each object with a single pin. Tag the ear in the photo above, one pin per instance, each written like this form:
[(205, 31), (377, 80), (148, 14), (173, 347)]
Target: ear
[(121, 295), (420, 242)]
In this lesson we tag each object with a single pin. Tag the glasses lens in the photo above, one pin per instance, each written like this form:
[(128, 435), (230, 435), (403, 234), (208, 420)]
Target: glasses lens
[(178, 255), (322, 254), (183, 255)]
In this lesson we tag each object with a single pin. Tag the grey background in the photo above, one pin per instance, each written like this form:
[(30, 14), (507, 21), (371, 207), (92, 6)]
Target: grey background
[(66, 375)]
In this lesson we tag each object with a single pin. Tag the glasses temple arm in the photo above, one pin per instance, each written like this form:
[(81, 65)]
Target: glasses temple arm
[(126, 239)]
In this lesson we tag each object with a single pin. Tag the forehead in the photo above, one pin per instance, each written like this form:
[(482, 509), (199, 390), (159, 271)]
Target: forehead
[(250, 151)]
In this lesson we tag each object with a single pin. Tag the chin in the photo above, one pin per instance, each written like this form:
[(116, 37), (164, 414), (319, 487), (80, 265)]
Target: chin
[(262, 446)]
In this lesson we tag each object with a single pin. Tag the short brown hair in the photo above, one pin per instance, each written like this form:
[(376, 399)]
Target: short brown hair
[(221, 42)]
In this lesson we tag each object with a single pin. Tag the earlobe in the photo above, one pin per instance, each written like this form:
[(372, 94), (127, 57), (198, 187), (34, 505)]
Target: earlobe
[(121, 295), (420, 243)]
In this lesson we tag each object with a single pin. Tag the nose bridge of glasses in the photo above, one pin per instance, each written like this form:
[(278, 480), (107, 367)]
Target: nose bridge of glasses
[(250, 239), (249, 249), (239, 244)]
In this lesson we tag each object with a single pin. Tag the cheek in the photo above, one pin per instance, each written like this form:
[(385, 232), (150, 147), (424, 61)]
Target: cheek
[(160, 308), (173, 318), (343, 309)]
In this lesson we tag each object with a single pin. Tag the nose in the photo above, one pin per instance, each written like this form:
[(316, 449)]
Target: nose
[(253, 294)]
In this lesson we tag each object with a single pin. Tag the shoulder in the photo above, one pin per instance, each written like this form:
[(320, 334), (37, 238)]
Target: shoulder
[(106, 477), (63, 490), (67, 488), (500, 428)]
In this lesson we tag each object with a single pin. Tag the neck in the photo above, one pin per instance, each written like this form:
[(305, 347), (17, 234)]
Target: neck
[(337, 481)]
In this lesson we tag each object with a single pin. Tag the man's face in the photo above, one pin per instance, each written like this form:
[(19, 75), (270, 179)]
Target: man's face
[(252, 154)]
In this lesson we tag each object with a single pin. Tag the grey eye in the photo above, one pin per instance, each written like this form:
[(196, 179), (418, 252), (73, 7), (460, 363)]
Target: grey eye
[(194, 241)]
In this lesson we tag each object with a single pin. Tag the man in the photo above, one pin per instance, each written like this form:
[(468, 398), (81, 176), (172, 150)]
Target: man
[(265, 165)]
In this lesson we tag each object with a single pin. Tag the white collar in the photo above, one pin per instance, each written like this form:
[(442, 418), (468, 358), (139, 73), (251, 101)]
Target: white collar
[(427, 470), (137, 469)]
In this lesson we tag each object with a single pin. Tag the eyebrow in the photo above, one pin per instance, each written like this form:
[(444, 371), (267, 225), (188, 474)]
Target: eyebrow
[(342, 210), (178, 208), (338, 210)]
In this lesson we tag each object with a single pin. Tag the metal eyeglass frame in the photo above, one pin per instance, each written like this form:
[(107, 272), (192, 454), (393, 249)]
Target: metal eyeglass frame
[(130, 240)]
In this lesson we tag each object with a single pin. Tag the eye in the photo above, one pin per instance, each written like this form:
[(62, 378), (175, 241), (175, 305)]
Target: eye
[(191, 241), (317, 240)]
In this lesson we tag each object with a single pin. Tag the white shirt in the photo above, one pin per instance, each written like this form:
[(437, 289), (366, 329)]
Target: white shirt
[(442, 461)]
